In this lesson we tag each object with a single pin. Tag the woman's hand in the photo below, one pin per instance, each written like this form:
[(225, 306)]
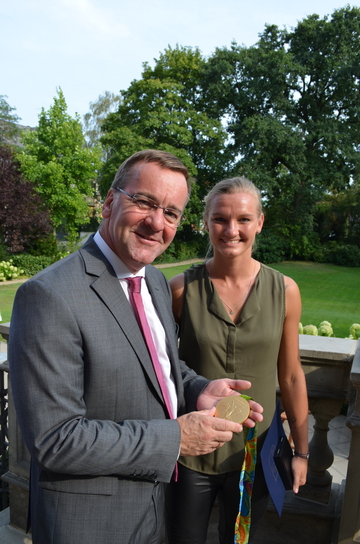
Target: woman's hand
[(299, 467)]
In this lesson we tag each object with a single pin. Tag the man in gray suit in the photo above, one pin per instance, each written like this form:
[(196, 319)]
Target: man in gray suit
[(88, 402)]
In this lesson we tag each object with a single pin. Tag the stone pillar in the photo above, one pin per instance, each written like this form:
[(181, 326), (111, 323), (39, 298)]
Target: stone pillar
[(350, 517), (326, 363), (19, 462)]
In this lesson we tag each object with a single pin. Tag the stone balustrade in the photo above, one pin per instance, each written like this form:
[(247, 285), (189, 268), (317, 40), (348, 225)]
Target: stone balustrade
[(332, 370), (17, 476), (350, 517), (327, 364)]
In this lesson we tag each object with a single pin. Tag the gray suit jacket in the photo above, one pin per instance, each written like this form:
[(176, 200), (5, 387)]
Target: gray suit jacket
[(88, 402)]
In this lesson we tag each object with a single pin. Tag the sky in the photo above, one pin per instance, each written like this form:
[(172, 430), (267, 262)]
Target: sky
[(87, 47)]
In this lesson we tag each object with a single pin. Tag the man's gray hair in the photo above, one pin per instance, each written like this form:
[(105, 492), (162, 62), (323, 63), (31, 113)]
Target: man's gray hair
[(162, 158)]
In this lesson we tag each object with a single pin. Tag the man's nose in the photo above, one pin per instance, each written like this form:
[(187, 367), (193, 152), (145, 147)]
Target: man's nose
[(156, 219)]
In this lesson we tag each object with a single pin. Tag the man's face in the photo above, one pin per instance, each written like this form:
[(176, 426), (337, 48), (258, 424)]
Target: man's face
[(136, 237)]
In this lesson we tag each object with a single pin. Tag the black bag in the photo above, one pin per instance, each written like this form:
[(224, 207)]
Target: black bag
[(282, 457)]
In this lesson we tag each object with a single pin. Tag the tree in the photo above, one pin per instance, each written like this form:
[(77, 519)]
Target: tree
[(165, 110), (292, 103), (8, 128), (338, 216), (56, 160), (23, 217), (93, 120)]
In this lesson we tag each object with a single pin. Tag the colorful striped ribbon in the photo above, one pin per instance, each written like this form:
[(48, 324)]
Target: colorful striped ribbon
[(247, 476)]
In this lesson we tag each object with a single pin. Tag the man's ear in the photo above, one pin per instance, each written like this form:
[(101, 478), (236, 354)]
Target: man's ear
[(106, 209)]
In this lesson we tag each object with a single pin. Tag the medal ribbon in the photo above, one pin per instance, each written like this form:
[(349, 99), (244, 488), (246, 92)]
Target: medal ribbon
[(247, 476)]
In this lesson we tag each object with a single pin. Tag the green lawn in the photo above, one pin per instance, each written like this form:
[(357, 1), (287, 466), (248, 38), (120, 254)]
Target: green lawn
[(7, 294), (328, 292)]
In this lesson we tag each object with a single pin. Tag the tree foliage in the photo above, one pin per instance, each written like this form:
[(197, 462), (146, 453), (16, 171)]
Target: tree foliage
[(338, 216), (284, 112), (24, 219), (94, 119), (8, 128), (165, 110), (293, 107), (56, 160)]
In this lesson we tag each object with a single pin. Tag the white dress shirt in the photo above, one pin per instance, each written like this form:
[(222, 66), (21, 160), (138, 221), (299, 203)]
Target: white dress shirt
[(156, 328)]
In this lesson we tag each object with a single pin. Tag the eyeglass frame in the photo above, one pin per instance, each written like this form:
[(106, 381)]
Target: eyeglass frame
[(154, 206)]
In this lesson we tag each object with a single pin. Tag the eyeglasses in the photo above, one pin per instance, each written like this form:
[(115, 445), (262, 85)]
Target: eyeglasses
[(147, 205)]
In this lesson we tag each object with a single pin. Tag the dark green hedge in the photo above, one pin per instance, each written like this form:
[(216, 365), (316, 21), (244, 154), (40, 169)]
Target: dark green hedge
[(31, 264)]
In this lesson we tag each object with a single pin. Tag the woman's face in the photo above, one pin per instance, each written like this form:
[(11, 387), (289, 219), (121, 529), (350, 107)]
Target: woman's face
[(232, 222)]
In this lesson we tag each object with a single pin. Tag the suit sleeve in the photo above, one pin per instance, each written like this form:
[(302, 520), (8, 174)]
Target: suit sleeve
[(49, 379)]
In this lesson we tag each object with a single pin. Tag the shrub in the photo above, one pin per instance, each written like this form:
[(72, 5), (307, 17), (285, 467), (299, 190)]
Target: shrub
[(32, 264), (183, 250), (308, 248), (8, 271), (45, 246), (342, 254), (355, 331), (310, 329), (325, 329), (23, 215), (318, 255), (4, 254), (269, 249)]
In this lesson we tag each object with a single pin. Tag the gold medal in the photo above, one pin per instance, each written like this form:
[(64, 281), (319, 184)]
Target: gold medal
[(233, 408)]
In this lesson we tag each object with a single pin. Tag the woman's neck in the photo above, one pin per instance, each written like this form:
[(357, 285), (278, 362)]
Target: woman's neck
[(231, 269)]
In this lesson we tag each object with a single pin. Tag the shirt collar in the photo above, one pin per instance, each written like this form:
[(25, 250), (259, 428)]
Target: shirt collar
[(120, 268)]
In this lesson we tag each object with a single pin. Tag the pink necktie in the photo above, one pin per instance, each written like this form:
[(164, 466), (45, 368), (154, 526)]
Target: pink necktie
[(138, 306)]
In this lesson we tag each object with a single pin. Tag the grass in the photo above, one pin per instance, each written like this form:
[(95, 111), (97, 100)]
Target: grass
[(7, 294), (328, 292), (174, 270)]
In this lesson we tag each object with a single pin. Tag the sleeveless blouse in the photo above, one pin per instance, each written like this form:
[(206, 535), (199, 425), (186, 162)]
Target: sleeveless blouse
[(216, 347)]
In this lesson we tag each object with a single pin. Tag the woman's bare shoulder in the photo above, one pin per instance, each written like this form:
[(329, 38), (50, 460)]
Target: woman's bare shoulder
[(177, 283)]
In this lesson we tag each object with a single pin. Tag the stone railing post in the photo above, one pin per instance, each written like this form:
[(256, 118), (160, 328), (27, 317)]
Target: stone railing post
[(326, 363), (349, 531), (19, 462)]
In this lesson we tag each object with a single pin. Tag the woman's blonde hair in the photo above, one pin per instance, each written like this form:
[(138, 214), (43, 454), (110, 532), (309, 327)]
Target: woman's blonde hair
[(229, 187)]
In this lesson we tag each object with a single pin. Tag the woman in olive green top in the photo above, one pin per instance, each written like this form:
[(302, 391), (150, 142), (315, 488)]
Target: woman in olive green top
[(238, 319)]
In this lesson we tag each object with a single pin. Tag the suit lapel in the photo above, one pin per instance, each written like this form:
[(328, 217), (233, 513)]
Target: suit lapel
[(107, 287)]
